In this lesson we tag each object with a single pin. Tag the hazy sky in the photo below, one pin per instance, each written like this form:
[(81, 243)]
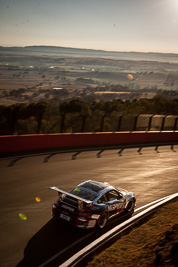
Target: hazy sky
[(117, 25)]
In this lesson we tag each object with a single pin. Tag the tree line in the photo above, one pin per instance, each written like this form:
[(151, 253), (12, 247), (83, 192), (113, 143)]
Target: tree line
[(79, 116)]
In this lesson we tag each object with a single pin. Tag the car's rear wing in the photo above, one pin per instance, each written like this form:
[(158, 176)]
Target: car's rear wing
[(80, 199)]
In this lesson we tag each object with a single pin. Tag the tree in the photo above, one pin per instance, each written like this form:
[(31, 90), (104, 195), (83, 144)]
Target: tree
[(38, 110)]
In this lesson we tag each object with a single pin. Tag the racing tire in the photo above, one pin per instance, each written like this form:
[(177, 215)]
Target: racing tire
[(131, 205), (102, 220)]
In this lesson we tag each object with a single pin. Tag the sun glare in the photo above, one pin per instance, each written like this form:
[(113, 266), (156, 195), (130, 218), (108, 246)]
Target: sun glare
[(175, 3)]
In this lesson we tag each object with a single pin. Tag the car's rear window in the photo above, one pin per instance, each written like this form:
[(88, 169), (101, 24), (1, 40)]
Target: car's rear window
[(83, 193), (94, 186)]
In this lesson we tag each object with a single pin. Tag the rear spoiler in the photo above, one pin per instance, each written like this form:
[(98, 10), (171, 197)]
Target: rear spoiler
[(80, 199)]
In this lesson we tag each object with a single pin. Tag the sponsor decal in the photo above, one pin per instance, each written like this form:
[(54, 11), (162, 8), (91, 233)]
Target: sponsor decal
[(67, 207), (65, 217), (116, 206)]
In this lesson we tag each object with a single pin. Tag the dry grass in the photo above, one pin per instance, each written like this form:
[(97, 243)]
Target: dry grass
[(155, 243)]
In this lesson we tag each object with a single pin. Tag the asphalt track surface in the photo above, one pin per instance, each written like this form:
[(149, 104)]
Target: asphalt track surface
[(31, 242)]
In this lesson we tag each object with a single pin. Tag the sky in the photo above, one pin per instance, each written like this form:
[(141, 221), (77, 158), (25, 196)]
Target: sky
[(112, 25)]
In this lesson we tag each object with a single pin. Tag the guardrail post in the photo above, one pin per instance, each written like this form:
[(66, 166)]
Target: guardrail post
[(119, 123), (83, 123), (162, 124), (135, 122), (39, 125), (102, 123), (150, 121), (13, 123), (62, 123), (15, 116), (175, 124)]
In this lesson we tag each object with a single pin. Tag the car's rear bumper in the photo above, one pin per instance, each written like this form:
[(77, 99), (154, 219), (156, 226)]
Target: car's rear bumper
[(86, 223), (80, 222)]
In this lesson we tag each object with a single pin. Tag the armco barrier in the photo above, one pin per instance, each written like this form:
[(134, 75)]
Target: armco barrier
[(20, 143)]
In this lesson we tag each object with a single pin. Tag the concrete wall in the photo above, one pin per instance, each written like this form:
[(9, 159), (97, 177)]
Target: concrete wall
[(16, 143)]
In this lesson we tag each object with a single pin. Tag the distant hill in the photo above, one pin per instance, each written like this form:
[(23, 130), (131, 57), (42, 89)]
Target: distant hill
[(77, 52)]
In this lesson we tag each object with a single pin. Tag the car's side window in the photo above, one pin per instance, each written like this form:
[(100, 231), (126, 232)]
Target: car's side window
[(112, 195), (102, 199)]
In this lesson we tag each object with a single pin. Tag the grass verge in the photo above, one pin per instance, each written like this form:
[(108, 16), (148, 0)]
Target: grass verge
[(154, 243)]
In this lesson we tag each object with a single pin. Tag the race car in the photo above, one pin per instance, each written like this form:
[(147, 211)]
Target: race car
[(91, 204)]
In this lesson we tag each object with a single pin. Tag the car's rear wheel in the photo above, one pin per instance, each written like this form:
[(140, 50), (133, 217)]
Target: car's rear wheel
[(131, 205), (102, 220)]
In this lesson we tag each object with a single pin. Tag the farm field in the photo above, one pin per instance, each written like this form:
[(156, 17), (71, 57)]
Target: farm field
[(37, 73)]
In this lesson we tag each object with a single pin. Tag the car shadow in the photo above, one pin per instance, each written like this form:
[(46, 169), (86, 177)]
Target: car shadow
[(57, 238), (48, 241)]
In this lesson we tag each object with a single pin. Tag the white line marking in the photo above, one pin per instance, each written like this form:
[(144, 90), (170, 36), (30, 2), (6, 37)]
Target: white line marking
[(149, 204)]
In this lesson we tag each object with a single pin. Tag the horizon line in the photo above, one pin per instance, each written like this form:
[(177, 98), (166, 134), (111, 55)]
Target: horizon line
[(79, 48)]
